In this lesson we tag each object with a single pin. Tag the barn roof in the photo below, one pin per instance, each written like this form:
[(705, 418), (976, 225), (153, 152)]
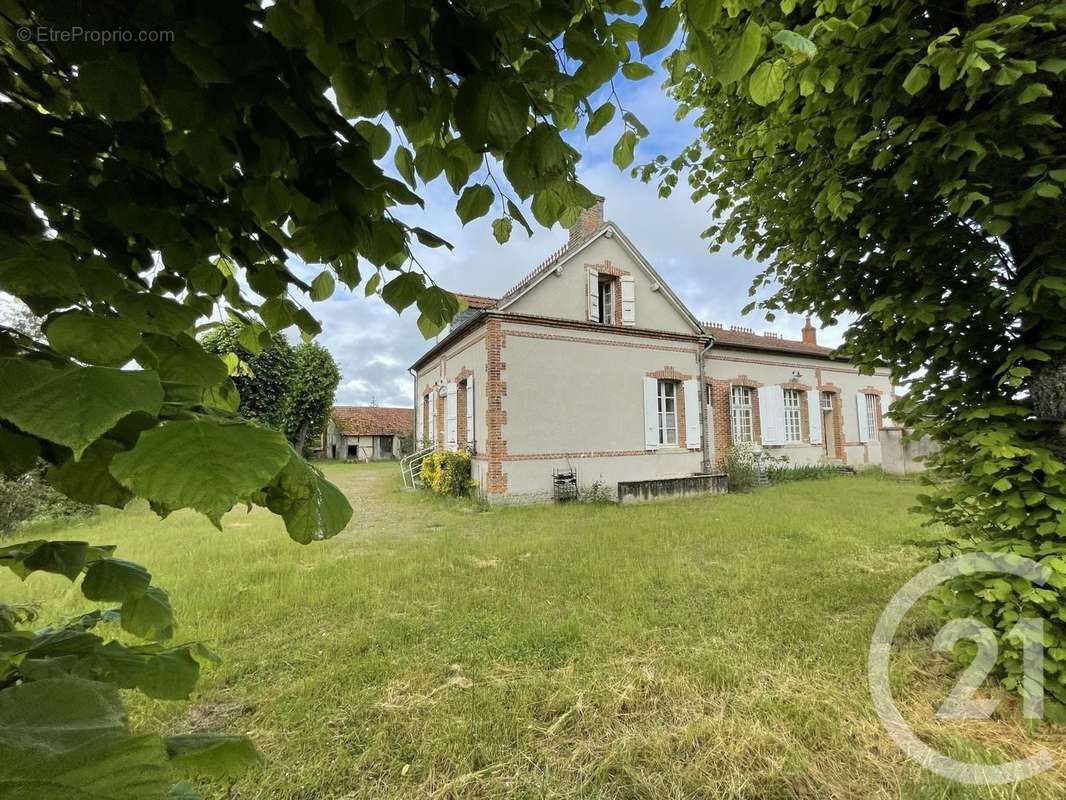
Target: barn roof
[(373, 420)]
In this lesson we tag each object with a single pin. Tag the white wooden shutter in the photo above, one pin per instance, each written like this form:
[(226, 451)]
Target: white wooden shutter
[(470, 410), (860, 407), (433, 419), (651, 414), (772, 414), (629, 300), (692, 415), (594, 295), (814, 416), (451, 418)]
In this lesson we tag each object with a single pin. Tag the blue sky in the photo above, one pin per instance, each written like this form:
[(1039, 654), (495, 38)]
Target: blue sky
[(374, 346)]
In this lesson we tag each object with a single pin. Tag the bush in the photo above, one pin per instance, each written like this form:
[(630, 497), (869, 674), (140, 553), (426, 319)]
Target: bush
[(30, 497), (447, 472), (782, 473), (599, 492), (740, 468)]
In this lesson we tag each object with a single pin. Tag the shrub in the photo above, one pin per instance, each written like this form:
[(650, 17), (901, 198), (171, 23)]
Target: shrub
[(782, 473), (599, 492), (447, 472), (740, 468), (30, 497)]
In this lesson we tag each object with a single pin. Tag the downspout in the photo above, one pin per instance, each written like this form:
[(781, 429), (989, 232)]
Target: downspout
[(414, 416), (705, 441)]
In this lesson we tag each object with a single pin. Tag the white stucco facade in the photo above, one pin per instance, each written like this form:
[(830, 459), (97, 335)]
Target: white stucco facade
[(542, 380)]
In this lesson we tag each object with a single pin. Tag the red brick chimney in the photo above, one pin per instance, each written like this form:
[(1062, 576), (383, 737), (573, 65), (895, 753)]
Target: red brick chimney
[(590, 221), (810, 333)]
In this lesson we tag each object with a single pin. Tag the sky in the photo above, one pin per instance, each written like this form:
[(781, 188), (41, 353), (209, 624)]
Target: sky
[(374, 346)]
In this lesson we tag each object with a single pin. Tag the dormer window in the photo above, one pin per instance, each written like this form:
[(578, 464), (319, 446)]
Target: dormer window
[(608, 294)]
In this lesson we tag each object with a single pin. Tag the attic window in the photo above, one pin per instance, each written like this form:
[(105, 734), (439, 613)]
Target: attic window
[(608, 296)]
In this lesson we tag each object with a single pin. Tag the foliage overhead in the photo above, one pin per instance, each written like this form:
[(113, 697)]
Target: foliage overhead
[(904, 162)]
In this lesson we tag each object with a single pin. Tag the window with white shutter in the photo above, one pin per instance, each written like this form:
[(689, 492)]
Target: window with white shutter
[(651, 414), (594, 295), (693, 436), (861, 417), (451, 417), (771, 415), (814, 417)]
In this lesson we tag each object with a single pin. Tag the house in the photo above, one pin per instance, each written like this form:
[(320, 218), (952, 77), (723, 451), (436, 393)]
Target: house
[(365, 432), (591, 363)]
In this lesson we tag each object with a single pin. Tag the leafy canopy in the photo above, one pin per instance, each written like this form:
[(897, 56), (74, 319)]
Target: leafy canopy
[(905, 162)]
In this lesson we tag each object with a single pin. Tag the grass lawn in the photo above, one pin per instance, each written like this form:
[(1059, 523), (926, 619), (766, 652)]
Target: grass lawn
[(703, 648)]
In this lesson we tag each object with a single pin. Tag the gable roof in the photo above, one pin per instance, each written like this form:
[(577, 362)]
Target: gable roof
[(477, 301), (373, 420), (564, 254), (747, 338)]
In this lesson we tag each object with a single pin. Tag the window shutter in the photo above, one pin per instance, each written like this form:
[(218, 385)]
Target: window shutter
[(651, 414), (594, 296), (629, 300), (432, 419), (692, 415), (814, 416), (772, 414), (451, 417), (470, 410), (860, 408)]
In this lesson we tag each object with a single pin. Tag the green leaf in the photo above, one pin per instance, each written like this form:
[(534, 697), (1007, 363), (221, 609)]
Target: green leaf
[(430, 239), (95, 338), (916, 79), (767, 82), (702, 14), (491, 110), (658, 28), (115, 580), (405, 165), (112, 87), (268, 198), (18, 453), (73, 407), (623, 149), (429, 162), (736, 62), (206, 755), (150, 312), (67, 738), (149, 615), (377, 136), (518, 216), (636, 71), (312, 507), (181, 359), (347, 269), (475, 202), (796, 43), (322, 286), (600, 118), (88, 479), (403, 290), (501, 229), (62, 558), (204, 464)]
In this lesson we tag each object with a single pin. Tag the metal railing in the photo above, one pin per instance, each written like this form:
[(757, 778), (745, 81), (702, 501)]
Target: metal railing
[(411, 467)]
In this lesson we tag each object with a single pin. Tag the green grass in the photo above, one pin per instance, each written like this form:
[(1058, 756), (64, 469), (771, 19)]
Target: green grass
[(703, 648)]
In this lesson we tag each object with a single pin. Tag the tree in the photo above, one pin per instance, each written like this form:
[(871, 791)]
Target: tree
[(904, 162), (147, 182), (263, 369), (313, 386)]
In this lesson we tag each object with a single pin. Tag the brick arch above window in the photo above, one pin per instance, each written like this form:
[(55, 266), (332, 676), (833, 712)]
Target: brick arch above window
[(831, 388), (669, 374), (607, 268), (464, 373), (871, 390), (794, 384), (744, 380)]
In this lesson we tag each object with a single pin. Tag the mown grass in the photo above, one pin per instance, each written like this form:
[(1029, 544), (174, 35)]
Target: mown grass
[(704, 648)]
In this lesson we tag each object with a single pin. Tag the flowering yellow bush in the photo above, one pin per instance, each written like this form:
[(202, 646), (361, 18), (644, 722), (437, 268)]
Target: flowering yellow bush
[(447, 472)]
